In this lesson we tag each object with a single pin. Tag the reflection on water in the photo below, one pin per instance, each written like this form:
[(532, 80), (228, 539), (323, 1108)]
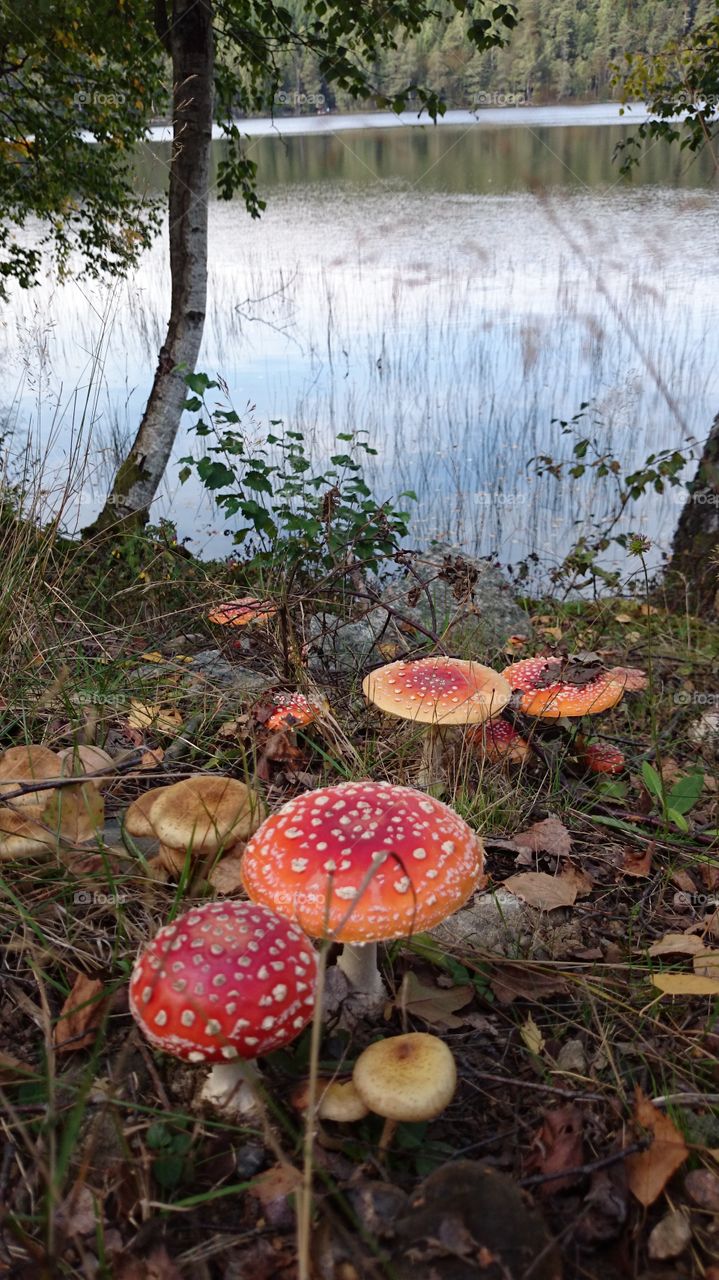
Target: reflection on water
[(448, 290)]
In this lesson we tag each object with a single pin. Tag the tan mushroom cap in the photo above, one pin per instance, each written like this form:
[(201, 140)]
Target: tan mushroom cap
[(22, 834), (205, 813), (410, 1078), (363, 861), (28, 764), (561, 698), (137, 816), (336, 1100), (86, 759), (438, 690)]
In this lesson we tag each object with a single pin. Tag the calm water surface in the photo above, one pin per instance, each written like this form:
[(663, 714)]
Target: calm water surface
[(448, 290)]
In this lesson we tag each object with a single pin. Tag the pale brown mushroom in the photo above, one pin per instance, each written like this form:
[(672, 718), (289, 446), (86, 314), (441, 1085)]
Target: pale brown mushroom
[(202, 815), (83, 759), (22, 834), (22, 766)]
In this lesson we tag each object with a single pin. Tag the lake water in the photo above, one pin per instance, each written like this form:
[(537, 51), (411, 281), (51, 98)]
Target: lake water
[(448, 290)]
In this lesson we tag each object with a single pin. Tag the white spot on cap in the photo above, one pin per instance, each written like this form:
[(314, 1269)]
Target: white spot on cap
[(187, 1017)]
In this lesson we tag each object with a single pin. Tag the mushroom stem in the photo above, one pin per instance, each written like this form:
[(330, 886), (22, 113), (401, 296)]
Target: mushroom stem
[(233, 1087), (358, 963), (388, 1131), (431, 773)]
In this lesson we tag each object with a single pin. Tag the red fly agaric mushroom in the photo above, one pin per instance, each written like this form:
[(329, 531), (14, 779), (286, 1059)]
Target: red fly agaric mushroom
[(499, 742), (550, 689), (602, 757), (360, 863), (439, 692), (293, 711), (240, 613), (225, 981)]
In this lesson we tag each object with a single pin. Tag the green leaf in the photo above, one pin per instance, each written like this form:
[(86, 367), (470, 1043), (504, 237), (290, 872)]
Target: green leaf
[(677, 818), (685, 792), (652, 780)]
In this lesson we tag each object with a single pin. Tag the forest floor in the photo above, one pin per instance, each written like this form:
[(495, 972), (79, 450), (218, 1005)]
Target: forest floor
[(586, 1035)]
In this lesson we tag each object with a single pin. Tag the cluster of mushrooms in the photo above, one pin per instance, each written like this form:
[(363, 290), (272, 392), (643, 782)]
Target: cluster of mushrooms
[(39, 804), (356, 863)]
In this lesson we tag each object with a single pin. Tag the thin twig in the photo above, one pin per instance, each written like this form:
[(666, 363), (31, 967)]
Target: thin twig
[(592, 1167)]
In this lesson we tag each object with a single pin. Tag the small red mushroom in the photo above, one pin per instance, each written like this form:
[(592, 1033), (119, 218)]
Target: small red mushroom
[(602, 757), (225, 980), (293, 711), (500, 742), (240, 613)]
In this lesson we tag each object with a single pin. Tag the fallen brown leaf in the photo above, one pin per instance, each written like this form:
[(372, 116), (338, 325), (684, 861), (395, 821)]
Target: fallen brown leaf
[(432, 1004), (685, 984), (80, 1015), (556, 1146), (226, 877), (75, 813), (543, 891), (525, 982), (677, 944), (648, 1172), (12, 1070), (707, 965), (702, 1187), (548, 836), (635, 862)]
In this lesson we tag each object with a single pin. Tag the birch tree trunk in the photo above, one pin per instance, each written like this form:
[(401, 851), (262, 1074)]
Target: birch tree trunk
[(190, 42), (693, 570)]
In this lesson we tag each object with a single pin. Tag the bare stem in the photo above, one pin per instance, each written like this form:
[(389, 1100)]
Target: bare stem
[(359, 965)]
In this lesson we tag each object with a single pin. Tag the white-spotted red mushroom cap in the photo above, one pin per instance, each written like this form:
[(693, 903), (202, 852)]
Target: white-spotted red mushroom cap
[(603, 757), (363, 861), (225, 980), (438, 690), (293, 711), (551, 700), (240, 613), (500, 742)]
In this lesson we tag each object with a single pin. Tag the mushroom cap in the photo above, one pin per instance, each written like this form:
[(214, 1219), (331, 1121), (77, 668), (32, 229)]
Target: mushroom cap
[(203, 813), (336, 1100), (24, 765), (137, 815), (292, 711), (438, 690), (86, 759), (602, 757), (239, 613), (225, 980), (22, 834), (411, 1077), (363, 861), (500, 742), (551, 701)]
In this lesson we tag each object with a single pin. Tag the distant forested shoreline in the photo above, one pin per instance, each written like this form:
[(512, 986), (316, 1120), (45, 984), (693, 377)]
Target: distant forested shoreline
[(562, 49)]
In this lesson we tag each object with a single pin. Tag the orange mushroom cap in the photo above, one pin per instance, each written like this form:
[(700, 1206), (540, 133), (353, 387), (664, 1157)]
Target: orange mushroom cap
[(293, 711), (602, 757), (239, 613), (500, 743), (550, 700), (438, 690), (363, 861)]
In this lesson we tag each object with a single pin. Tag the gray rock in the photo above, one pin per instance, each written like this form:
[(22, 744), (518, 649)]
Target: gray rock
[(210, 672), (496, 922), (448, 588), (336, 646)]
